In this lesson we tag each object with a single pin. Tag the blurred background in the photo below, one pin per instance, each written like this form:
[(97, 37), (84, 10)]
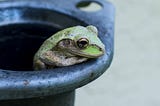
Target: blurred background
[(134, 76)]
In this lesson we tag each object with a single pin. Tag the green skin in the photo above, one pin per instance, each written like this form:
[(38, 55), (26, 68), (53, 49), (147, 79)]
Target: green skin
[(68, 47)]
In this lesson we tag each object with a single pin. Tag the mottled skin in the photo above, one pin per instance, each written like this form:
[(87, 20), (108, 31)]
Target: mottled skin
[(68, 47)]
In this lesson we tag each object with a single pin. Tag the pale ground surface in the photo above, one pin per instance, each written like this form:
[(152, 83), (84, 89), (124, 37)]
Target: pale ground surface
[(134, 76)]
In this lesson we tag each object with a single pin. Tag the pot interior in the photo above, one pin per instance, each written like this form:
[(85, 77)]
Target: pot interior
[(23, 30)]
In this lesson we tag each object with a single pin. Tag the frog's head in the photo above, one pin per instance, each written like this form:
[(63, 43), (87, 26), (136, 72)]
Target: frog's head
[(82, 41)]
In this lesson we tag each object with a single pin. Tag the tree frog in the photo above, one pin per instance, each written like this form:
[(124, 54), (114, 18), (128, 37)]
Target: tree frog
[(68, 47)]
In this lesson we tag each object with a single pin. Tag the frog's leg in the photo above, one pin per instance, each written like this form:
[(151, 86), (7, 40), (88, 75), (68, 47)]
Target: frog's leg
[(53, 58), (39, 65)]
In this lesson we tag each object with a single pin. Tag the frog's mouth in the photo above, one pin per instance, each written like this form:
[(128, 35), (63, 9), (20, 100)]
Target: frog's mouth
[(92, 51)]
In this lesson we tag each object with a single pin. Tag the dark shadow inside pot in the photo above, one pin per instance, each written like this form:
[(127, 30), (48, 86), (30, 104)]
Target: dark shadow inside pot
[(23, 30), (18, 43)]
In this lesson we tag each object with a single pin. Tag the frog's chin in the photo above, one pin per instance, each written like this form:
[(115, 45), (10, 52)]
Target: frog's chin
[(89, 55), (86, 54)]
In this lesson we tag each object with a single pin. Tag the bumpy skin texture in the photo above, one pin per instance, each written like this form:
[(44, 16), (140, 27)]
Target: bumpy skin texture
[(68, 47)]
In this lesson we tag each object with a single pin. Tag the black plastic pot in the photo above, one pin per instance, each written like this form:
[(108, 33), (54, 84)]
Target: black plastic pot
[(24, 25)]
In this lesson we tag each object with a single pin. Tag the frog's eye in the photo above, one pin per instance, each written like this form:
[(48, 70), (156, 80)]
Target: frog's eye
[(82, 43)]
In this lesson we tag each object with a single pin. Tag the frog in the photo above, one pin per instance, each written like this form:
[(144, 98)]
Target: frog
[(69, 46)]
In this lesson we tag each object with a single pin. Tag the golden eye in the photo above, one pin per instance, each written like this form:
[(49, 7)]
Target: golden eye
[(82, 43)]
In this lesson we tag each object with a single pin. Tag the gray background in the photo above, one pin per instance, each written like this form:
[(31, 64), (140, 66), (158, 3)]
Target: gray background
[(134, 76)]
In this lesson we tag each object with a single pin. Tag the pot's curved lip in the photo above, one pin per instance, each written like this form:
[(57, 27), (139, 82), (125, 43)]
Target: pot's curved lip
[(17, 84)]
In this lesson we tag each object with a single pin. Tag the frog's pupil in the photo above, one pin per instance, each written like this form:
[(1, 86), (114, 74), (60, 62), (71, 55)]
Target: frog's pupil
[(82, 43)]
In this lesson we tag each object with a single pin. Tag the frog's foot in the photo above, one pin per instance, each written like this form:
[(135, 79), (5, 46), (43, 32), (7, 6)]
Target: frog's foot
[(71, 61), (39, 65), (53, 59)]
